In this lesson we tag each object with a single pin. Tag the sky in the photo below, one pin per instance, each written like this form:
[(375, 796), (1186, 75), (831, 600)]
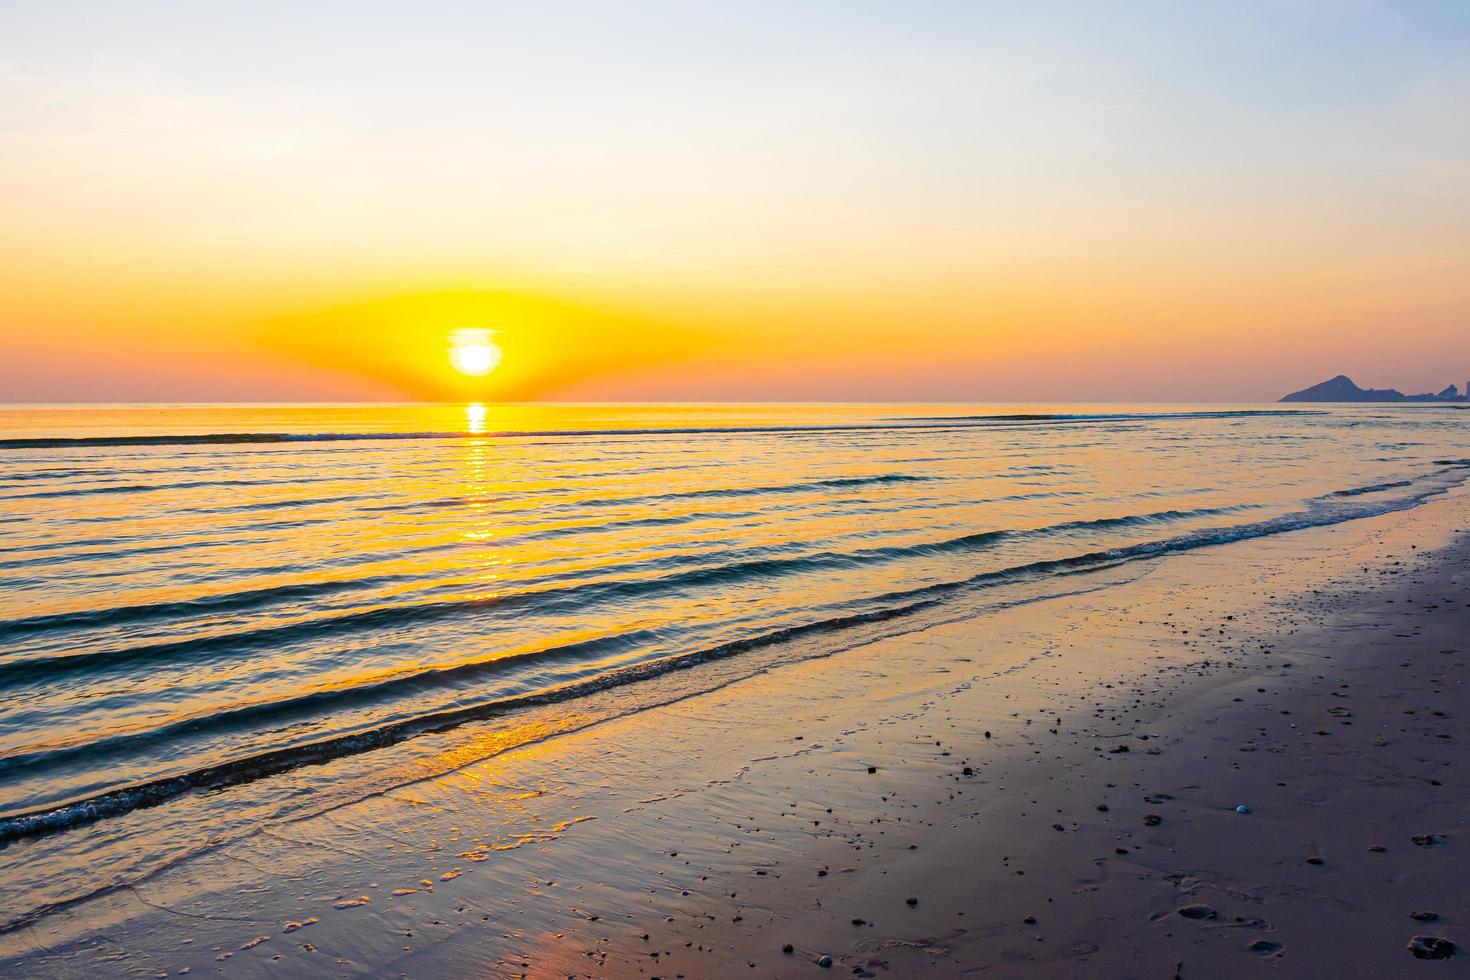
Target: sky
[(740, 201)]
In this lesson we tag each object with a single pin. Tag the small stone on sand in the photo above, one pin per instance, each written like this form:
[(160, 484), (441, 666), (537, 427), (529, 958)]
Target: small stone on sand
[(1432, 948)]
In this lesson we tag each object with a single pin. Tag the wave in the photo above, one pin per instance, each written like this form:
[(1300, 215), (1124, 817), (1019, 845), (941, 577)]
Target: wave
[(1326, 510), (833, 484), (1124, 416), (242, 601), (838, 483), (916, 422), (45, 475), (1372, 488), (320, 703), (109, 488), (66, 557), (152, 793), (545, 600)]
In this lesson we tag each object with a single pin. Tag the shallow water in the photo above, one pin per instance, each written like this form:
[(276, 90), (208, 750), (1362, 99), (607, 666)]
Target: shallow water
[(201, 607)]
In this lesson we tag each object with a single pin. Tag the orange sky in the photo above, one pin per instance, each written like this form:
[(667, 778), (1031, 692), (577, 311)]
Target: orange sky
[(836, 202)]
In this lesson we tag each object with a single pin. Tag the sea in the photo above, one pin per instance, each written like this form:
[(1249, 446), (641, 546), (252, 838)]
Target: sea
[(214, 618)]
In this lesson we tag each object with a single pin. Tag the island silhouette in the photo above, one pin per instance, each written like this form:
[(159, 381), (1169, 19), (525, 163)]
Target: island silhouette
[(1342, 389)]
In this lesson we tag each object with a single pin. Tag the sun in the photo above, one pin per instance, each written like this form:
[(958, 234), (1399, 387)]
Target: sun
[(473, 352)]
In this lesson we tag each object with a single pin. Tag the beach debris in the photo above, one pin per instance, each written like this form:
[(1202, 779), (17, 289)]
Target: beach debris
[(788, 949), (1264, 947), (1314, 859), (1152, 819), (1424, 916), (293, 926), (824, 961), (1118, 748), (1243, 810), (351, 903), (1197, 912), (1428, 840), (912, 902), (1432, 948)]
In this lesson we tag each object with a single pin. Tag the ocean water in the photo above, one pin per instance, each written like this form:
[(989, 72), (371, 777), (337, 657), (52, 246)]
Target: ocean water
[(213, 617)]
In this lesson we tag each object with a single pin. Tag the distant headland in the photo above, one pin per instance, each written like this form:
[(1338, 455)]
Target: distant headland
[(1342, 389)]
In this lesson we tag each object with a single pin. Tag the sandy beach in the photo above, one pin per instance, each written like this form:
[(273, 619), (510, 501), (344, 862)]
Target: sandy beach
[(1049, 789)]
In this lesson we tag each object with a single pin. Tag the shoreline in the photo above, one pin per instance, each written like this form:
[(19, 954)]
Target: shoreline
[(706, 824)]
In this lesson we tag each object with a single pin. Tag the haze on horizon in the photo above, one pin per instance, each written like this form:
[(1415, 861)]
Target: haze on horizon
[(754, 201)]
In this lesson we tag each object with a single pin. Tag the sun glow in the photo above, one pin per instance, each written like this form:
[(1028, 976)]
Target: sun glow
[(473, 352)]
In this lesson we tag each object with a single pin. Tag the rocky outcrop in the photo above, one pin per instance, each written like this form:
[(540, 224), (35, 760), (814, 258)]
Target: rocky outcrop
[(1342, 389)]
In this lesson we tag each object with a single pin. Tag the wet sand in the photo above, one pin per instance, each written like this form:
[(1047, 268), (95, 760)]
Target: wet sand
[(1045, 790)]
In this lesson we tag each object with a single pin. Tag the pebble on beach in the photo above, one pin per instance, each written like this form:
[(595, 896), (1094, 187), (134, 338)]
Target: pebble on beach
[(1432, 948)]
